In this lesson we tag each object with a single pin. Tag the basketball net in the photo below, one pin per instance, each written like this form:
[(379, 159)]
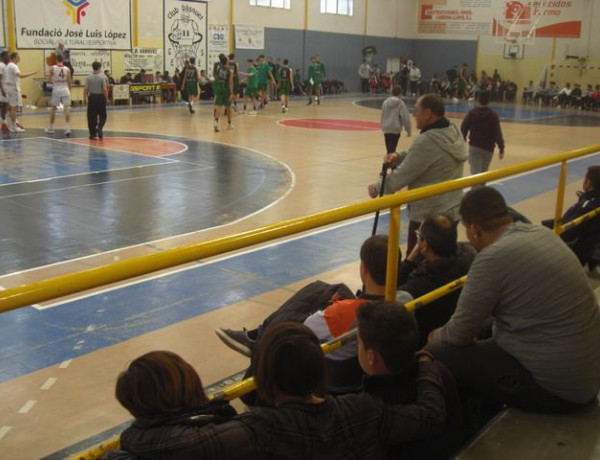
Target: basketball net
[(517, 22)]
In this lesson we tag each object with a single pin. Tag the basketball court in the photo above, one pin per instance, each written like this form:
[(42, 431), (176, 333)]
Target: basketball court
[(161, 178)]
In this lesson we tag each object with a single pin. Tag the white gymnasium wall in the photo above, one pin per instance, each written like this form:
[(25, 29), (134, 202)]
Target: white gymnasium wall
[(244, 14), (319, 22), (382, 18)]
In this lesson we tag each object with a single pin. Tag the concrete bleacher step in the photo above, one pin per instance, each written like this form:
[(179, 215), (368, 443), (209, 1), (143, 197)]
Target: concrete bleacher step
[(519, 435)]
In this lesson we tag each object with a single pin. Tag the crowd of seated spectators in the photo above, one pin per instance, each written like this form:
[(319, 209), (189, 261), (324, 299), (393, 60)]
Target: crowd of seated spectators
[(523, 332)]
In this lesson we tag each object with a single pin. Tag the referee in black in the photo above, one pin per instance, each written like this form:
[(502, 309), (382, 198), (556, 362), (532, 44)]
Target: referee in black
[(96, 89)]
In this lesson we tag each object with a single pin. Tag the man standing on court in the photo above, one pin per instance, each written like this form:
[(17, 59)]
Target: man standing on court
[(59, 77), (437, 155), (394, 116), (484, 125), (96, 90)]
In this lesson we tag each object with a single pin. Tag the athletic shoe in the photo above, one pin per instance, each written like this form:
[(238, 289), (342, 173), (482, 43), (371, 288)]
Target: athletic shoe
[(229, 126), (282, 109), (92, 138), (12, 129), (67, 132), (454, 99), (318, 101), (216, 127), (309, 102), (237, 340), (19, 125), (49, 131), (234, 107), (19, 129), (190, 108), (242, 112), (100, 134), (252, 112)]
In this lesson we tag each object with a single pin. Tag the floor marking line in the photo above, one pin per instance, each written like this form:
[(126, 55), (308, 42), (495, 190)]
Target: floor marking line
[(63, 141), (4, 431), (27, 406), (197, 232), (48, 383), (65, 364)]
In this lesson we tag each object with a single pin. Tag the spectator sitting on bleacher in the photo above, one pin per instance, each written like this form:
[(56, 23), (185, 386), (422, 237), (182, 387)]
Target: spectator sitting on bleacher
[(544, 354), (583, 238), (126, 79), (576, 95), (564, 96), (109, 78), (437, 259), (596, 98), (511, 91), (330, 311), (388, 338), (552, 94), (164, 394), (528, 93), (140, 77), (586, 98)]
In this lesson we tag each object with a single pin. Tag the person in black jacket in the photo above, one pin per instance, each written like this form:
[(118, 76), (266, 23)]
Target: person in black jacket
[(437, 259), (388, 338), (583, 238)]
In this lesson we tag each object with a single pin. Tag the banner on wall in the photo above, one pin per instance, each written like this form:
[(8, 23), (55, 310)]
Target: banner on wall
[(82, 60), (185, 30), (80, 24), (2, 37), (149, 59), (218, 42), (549, 18), (249, 37)]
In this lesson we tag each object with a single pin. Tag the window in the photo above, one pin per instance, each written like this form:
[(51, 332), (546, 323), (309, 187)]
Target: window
[(285, 4), (343, 7)]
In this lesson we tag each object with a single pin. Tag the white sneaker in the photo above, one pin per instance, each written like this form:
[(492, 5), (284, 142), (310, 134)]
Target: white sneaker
[(12, 129), (49, 130), (229, 126), (216, 127), (252, 112), (19, 129), (471, 99), (67, 132), (454, 99)]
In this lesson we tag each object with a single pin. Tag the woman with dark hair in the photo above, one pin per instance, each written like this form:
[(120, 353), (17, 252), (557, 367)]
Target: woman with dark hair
[(164, 394)]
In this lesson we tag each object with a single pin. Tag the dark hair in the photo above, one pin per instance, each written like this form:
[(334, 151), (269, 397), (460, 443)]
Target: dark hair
[(440, 233), (484, 98), (250, 60), (288, 359), (231, 56), (96, 65), (286, 62), (4, 54), (392, 331), (484, 206), (373, 253), (14, 55), (593, 175), (222, 58), (59, 58), (396, 90), (158, 383), (192, 60), (433, 102)]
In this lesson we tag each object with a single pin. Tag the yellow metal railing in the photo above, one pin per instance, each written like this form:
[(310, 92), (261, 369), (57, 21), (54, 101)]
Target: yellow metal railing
[(244, 387), (61, 286), (575, 222)]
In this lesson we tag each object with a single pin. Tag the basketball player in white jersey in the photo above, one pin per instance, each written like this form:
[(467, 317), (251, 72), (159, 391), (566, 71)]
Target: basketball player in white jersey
[(60, 78), (4, 60), (12, 84)]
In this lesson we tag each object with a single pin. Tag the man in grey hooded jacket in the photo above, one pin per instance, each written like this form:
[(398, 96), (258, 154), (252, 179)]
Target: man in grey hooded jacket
[(437, 155)]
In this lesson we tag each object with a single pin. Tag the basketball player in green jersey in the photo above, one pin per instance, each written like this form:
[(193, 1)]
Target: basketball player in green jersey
[(318, 75), (264, 74), (190, 83), (251, 86), (286, 84), (233, 66), (223, 87)]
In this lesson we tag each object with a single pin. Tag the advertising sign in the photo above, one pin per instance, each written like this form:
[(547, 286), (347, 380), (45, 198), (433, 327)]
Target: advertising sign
[(186, 27)]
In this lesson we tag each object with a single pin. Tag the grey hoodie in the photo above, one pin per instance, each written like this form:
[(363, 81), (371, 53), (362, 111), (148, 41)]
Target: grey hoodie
[(437, 155), (394, 115)]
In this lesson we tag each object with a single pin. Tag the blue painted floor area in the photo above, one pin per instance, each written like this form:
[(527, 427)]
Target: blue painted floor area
[(520, 114), (97, 200), (32, 339), (30, 159)]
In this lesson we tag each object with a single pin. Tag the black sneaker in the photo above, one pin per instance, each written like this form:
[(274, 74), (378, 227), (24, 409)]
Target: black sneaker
[(309, 102), (237, 340), (100, 134)]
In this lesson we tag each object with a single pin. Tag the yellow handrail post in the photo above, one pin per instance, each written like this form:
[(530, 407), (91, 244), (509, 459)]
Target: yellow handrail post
[(392, 255), (560, 196), (136, 31)]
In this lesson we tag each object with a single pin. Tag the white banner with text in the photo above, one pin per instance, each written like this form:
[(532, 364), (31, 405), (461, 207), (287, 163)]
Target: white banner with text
[(186, 27), (80, 24), (249, 37), (149, 59), (82, 60), (218, 42)]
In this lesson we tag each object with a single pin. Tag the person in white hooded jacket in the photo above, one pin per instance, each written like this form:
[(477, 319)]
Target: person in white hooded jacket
[(394, 116), (437, 155)]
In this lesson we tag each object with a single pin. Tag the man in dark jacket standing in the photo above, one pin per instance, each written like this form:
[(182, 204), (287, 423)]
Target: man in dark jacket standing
[(484, 125)]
